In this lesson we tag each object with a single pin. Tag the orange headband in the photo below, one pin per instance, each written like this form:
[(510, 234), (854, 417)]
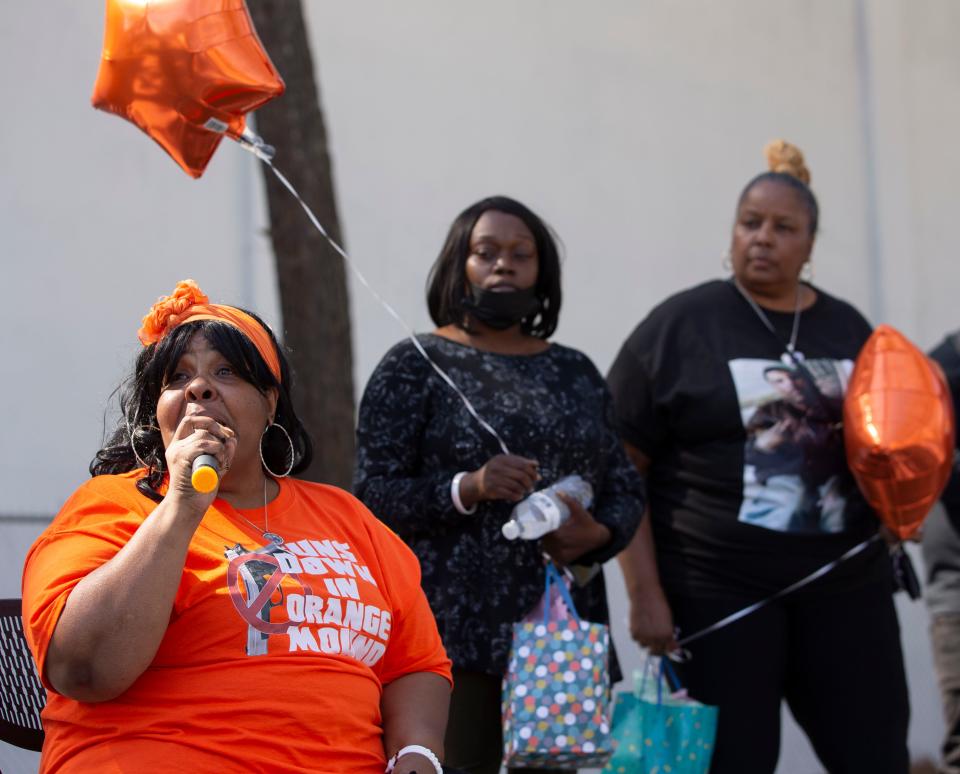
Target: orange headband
[(188, 303)]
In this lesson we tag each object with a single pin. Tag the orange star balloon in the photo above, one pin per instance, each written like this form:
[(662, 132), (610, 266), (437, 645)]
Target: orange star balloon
[(899, 429), (185, 71)]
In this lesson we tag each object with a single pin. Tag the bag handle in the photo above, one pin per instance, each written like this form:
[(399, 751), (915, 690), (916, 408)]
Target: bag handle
[(639, 689), (553, 578), (665, 672)]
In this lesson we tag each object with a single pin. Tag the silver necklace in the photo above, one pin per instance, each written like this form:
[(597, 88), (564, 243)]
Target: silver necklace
[(791, 356), (270, 537)]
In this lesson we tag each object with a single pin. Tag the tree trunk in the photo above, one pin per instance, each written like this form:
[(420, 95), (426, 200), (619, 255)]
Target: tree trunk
[(311, 276)]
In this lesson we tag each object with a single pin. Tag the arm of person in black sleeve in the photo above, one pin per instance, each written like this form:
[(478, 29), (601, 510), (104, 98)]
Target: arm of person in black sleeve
[(947, 356), (390, 477), (620, 497), (638, 417), (643, 425), (618, 500)]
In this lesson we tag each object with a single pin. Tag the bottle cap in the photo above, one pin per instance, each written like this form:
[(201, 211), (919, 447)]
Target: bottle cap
[(511, 530)]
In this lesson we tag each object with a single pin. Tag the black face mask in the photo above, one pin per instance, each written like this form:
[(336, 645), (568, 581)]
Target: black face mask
[(503, 309)]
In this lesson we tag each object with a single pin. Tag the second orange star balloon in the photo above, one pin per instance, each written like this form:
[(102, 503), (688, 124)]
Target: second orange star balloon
[(185, 71), (899, 430)]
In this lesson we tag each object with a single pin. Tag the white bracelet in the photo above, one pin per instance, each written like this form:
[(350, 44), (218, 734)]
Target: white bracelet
[(455, 495), (420, 750)]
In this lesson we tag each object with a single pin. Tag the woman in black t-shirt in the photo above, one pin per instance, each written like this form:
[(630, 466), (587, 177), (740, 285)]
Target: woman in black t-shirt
[(428, 468), (729, 399)]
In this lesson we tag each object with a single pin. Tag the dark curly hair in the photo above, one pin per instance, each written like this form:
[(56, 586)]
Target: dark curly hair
[(136, 441), (447, 281)]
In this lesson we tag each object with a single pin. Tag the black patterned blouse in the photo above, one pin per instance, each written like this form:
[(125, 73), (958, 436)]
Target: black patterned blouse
[(414, 434)]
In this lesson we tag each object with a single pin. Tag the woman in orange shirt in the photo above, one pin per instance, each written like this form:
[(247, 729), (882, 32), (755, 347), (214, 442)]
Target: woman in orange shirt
[(270, 624)]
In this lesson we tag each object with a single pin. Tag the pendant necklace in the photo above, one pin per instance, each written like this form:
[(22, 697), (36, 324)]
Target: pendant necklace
[(270, 537), (791, 356)]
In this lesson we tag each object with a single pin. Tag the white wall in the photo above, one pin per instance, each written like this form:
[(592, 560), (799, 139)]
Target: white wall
[(630, 127)]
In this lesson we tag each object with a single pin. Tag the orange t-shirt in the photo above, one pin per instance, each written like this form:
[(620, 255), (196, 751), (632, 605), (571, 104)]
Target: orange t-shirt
[(275, 656)]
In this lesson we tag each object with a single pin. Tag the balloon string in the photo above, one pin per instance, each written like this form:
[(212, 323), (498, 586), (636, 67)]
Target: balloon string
[(258, 148), (819, 573)]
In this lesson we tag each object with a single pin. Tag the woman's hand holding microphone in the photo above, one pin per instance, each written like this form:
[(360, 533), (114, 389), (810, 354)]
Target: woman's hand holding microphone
[(198, 435)]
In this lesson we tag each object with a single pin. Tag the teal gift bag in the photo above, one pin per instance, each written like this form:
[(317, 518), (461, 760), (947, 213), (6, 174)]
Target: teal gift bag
[(556, 689), (658, 732)]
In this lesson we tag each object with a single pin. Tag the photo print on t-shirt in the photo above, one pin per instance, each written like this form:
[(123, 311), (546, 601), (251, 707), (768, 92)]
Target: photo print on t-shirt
[(794, 462)]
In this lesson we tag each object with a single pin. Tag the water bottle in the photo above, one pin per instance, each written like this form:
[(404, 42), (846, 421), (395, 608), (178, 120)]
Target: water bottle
[(543, 511)]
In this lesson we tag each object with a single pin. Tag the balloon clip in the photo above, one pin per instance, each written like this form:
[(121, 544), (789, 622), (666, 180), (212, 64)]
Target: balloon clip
[(255, 144), (216, 125)]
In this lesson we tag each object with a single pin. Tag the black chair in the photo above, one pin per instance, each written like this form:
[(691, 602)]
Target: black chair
[(21, 695)]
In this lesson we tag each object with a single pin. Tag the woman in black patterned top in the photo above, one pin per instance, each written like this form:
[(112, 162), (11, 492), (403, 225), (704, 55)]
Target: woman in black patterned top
[(429, 470)]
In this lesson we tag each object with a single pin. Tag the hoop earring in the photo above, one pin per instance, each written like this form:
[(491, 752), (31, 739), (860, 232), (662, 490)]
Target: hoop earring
[(726, 263), (806, 272), (263, 462)]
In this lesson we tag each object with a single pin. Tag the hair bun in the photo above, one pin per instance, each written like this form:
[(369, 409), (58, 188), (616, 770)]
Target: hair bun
[(786, 158)]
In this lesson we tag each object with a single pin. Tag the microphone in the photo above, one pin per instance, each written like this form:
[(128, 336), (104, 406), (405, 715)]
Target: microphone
[(206, 473)]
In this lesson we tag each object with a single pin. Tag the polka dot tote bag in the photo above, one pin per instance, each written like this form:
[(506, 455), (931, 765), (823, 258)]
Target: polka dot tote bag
[(556, 690)]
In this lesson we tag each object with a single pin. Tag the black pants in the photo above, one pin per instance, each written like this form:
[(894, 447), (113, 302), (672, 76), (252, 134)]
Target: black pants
[(837, 661), (474, 740), (945, 636)]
